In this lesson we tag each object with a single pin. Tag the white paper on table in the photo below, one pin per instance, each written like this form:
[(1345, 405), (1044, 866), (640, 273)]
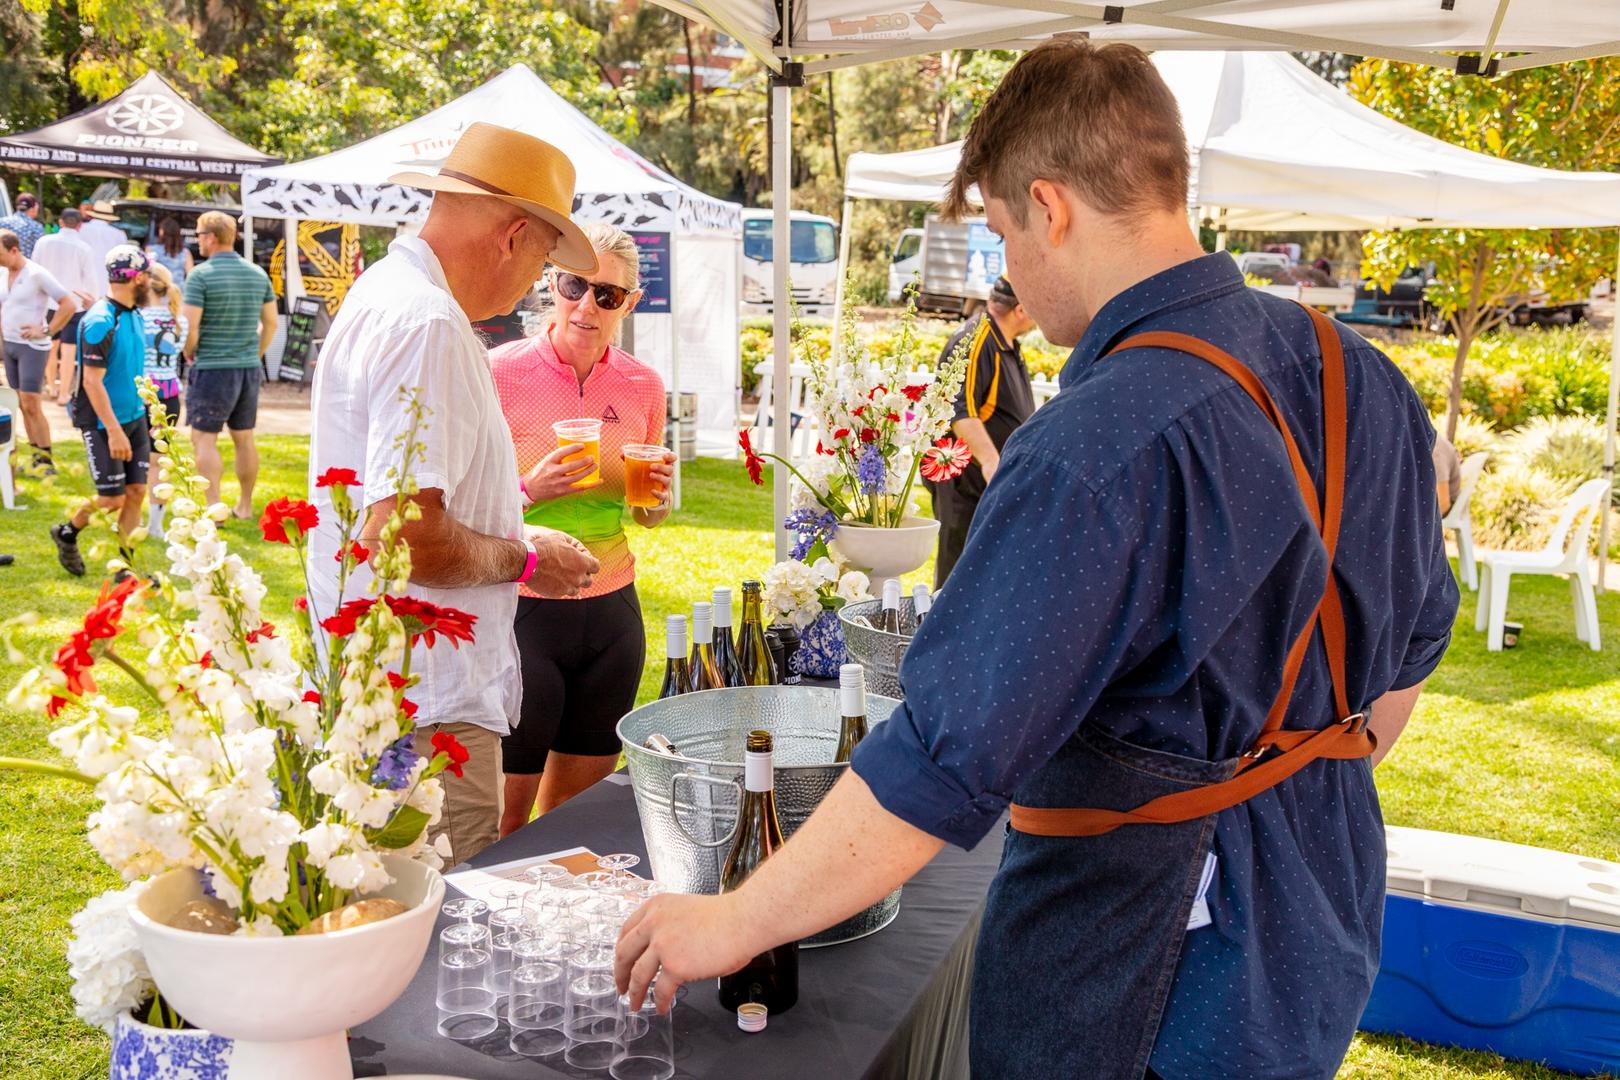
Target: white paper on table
[(480, 883)]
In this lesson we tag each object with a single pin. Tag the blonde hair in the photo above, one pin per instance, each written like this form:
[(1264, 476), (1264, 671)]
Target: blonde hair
[(612, 242), (220, 226), (162, 283)]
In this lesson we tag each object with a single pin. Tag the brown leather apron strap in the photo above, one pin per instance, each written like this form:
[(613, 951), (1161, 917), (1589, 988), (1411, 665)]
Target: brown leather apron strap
[(1276, 754)]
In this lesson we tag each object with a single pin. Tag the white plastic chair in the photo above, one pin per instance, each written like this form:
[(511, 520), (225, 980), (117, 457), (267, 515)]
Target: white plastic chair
[(1045, 388), (1565, 556), (1458, 518), (12, 404), (802, 425)]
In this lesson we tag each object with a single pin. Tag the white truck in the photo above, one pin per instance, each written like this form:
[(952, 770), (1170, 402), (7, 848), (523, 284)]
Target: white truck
[(813, 270), (1282, 276), (958, 261)]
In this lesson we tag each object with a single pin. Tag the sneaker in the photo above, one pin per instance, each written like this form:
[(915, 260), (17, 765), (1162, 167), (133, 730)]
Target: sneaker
[(43, 465), (7, 560), (67, 549)]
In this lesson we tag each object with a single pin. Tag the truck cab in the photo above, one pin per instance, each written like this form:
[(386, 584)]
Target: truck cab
[(813, 268), (905, 263)]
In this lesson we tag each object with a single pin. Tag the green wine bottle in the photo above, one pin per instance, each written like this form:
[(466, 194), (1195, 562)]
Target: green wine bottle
[(772, 977), (753, 651), (677, 673), (705, 672), (851, 709), (725, 650)]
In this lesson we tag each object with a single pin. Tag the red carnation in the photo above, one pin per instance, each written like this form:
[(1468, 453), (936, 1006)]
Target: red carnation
[(894, 418), (751, 458), (841, 433), (858, 410), (945, 460), (276, 516), (914, 392), (74, 660), (408, 707), (101, 621), (265, 630), (348, 616), (869, 435), (334, 476), (424, 621), (445, 744), (359, 553), (312, 696), (396, 681)]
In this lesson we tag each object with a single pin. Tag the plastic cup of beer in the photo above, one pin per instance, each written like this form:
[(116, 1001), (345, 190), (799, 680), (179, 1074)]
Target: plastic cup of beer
[(586, 434), (639, 458)]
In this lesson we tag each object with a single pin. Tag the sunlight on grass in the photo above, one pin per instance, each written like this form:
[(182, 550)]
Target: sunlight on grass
[(1521, 745)]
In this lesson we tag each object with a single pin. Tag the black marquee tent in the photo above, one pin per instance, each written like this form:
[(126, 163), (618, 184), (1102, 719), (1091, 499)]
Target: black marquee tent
[(149, 130)]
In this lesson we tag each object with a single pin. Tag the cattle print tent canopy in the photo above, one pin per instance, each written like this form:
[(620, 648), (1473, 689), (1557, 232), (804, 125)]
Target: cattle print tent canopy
[(149, 130)]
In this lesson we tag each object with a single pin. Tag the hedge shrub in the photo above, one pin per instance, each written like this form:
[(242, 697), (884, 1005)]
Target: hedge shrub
[(1514, 376)]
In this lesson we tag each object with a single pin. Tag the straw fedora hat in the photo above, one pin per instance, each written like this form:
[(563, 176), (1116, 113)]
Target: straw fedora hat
[(100, 210), (519, 169)]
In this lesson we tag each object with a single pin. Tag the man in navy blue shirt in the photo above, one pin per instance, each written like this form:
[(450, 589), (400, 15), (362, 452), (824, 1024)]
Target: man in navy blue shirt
[(1142, 565)]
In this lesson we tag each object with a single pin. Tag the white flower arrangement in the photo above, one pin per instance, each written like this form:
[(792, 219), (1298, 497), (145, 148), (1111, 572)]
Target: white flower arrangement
[(283, 771), (797, 591)]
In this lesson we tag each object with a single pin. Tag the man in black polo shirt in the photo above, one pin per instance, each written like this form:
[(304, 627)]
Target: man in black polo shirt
[(996, 397)]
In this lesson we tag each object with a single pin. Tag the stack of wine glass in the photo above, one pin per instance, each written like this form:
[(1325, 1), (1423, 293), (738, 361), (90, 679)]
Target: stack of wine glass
[(540, 959)]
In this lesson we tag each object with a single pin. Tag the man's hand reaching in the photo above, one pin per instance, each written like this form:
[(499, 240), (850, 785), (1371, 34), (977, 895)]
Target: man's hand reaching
[(564, 566)]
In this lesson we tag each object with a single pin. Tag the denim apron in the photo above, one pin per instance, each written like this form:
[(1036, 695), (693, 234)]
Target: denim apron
[(1084, 923)]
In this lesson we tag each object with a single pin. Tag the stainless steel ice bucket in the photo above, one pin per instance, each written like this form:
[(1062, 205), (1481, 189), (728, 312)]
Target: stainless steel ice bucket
[(878, 651), (688, 804)]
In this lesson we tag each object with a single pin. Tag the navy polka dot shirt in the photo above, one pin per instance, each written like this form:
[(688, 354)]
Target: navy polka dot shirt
[(1142, 561)]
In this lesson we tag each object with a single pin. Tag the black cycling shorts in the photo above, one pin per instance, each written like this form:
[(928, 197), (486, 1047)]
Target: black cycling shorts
[(110, 475), (581, 662)]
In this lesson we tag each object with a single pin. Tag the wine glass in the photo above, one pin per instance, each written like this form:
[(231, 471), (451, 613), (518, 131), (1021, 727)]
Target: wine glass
[(619, 865), (467, 931)]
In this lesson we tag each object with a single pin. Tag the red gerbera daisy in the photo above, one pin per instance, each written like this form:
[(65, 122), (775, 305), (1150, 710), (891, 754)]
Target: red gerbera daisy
[(945, 460), (425, 621), (751, 458)]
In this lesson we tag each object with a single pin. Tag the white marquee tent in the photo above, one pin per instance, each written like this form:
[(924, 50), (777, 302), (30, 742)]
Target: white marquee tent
[(1277, 148), (691, 242), (801, 38)]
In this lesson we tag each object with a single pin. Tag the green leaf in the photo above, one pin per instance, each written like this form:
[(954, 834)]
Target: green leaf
[(407, 824)]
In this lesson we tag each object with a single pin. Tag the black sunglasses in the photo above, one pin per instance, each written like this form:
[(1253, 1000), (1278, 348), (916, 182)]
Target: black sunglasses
[(608, 297)]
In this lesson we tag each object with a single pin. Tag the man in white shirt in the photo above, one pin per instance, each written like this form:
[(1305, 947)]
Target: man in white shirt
[(65, 254), (501, 209), (25, 329), (98, 230)]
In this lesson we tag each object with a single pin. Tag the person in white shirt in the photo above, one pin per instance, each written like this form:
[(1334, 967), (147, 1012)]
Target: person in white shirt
[(29, 292), (500, 211), (69, 259), (98, 230)]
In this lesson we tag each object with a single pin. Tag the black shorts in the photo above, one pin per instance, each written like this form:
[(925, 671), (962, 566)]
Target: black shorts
[(69, 334), (171, 407), (112, 476), (581, 663), (223, 398)]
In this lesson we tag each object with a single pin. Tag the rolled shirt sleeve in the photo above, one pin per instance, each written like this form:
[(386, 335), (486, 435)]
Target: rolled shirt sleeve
[(1003, 671), (414, 361)]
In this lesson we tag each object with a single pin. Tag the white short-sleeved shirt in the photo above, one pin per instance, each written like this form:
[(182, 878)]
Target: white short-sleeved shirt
[(65, 254), (400, 327), (25, 296)]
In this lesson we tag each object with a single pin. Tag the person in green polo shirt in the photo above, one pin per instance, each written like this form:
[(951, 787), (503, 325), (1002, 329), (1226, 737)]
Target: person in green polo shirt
[(231, 310)]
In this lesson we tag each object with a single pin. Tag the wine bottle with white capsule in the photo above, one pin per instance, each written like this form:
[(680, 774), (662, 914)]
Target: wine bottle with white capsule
[(771, 978), (889, 618), (851, 710), (705, 673), (725, 650), (677, 672), (921, 601), (753, 649)]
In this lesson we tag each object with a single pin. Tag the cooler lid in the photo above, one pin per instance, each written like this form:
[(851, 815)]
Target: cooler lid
[(1503, 878)]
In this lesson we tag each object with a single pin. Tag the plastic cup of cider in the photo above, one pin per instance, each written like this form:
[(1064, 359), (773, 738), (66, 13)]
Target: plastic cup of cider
[(639, 459), (588, 435)]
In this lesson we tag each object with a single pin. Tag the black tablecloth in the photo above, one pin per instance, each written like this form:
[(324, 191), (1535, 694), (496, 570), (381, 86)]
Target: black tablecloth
[(887, 1006)]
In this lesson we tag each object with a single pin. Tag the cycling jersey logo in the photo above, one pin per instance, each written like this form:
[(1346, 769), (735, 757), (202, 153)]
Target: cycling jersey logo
[(610, 416)]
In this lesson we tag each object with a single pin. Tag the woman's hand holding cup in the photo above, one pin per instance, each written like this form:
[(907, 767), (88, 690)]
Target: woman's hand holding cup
[(662, 475), (559, 473)]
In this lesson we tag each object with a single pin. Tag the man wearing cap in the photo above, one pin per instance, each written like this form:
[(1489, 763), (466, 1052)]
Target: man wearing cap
[(23, 223), (996, 397), (107, 408), (98, 229), (500, 209), (28, 293), (230, 312)]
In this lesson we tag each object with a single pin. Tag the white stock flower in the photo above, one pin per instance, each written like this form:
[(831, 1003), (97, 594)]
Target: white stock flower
[(367, 806), (358, 871)]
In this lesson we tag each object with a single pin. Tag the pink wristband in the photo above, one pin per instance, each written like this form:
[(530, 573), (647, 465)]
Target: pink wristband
[(523, 494), (528, 564)]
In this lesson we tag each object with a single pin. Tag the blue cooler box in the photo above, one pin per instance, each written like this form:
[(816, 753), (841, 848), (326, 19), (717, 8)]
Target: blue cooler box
[(1501, 947)]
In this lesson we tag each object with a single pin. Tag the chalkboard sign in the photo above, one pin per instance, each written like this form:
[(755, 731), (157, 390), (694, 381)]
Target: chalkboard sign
[(295, 354)]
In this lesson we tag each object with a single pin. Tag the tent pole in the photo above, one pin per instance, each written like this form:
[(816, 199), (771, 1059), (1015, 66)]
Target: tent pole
[(843, 274), (1607, 510), (781, 249), (675, 368)]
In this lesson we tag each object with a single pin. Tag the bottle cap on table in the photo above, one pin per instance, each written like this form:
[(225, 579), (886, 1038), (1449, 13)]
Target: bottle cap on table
[(751, 1016)]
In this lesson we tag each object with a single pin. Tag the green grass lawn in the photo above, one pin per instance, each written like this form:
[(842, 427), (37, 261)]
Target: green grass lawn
[(1521, 745)]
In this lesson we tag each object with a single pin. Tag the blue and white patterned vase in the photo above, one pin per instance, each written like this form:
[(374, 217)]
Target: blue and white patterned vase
[(142, 1052), (821, 648)]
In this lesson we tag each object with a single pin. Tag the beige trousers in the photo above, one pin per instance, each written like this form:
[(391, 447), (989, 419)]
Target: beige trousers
[(472, 801)]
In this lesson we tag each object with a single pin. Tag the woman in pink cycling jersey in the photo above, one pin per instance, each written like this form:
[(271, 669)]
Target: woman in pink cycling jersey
[(581, 658)]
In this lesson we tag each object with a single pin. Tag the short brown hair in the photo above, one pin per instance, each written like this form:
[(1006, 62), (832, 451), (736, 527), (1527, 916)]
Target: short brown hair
[(220, 226), (9, 241), (1099, 119)]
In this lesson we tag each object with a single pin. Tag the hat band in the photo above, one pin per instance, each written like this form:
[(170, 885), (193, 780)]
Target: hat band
[(475, 182)]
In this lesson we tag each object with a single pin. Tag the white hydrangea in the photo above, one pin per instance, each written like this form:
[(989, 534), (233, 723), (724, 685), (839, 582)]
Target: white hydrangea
[(105, 960)]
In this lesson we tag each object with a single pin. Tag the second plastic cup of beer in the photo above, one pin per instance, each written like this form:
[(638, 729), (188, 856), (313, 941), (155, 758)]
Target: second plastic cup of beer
[(639, 458), (587, 434)]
